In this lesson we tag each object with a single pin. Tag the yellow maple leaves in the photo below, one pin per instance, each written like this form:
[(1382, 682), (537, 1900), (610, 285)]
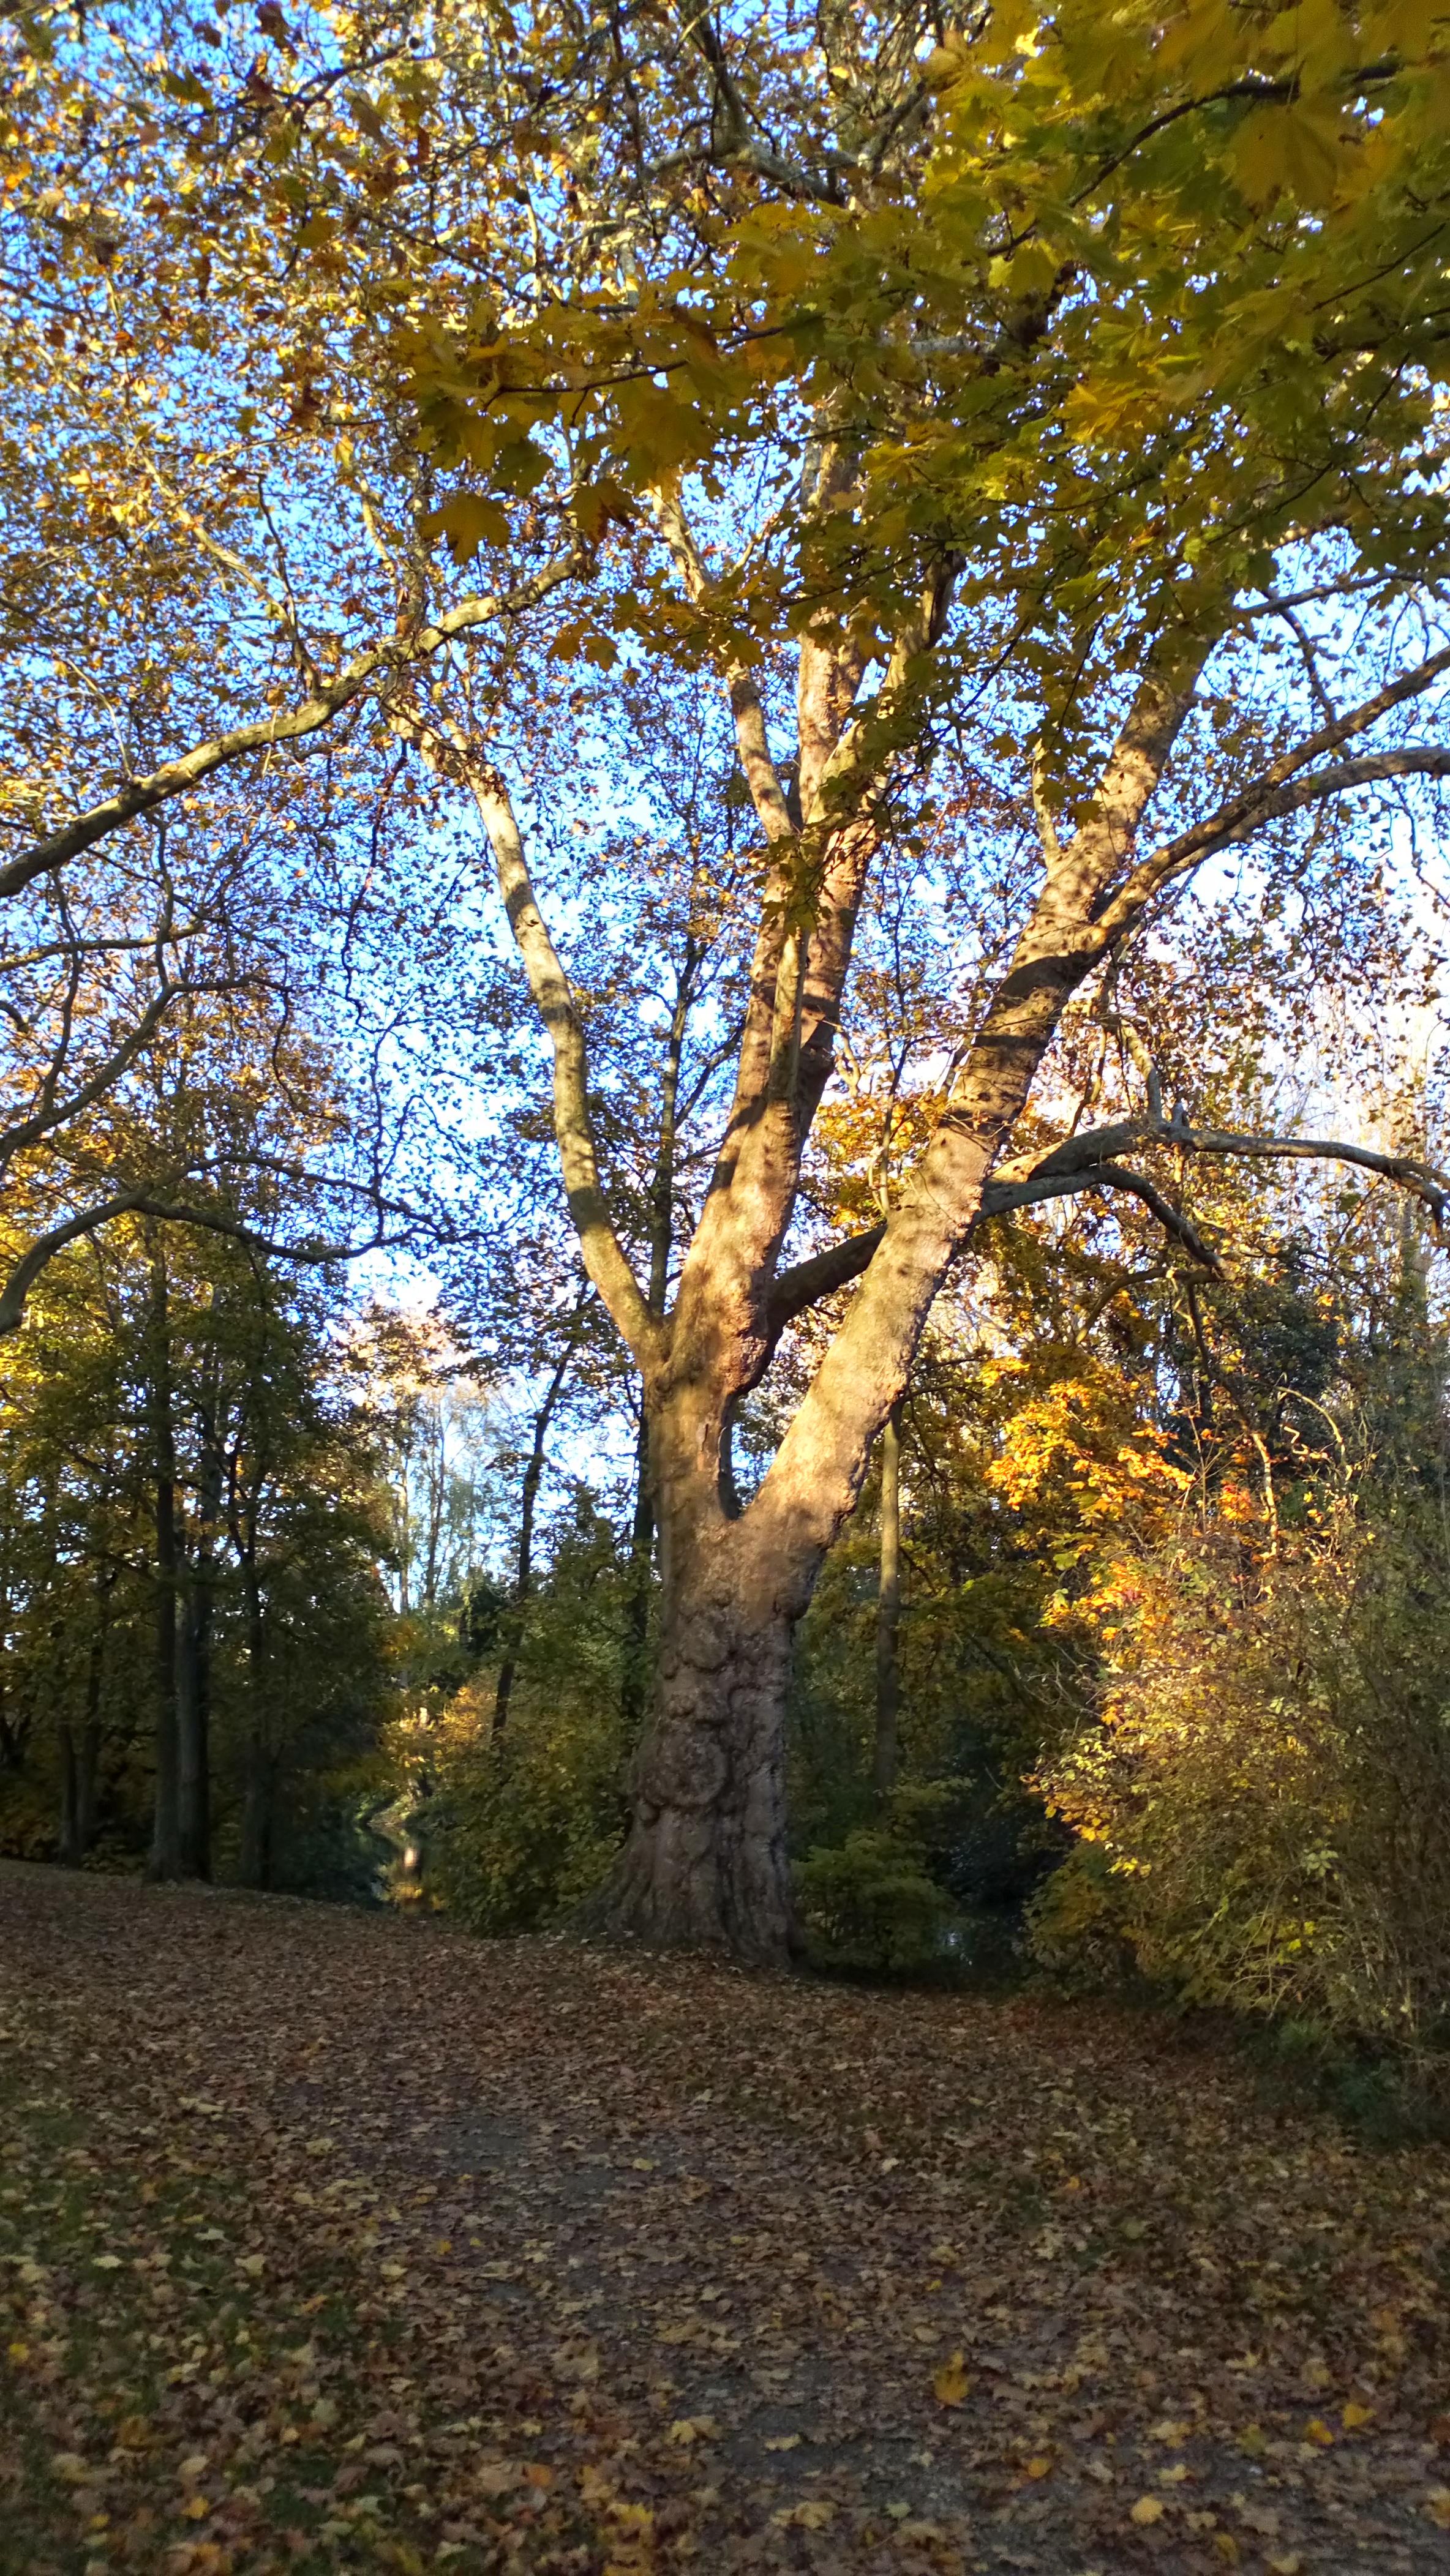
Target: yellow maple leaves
[(951, 2383)]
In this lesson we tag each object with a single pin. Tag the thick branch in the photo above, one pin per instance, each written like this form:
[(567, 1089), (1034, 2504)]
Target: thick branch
[(604, 1255)]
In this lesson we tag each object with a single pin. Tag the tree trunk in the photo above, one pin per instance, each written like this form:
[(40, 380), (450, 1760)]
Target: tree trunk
[(705, 1866), (259, 1813), (68, 1845), (888, 1611), (81, 1760), (166, 1836), (193, 1699), (634, 1677), (259, 1802), (513, 1634), (194, 1673)]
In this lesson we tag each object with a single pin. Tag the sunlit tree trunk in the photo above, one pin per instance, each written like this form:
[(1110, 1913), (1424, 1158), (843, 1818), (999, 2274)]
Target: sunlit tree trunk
[(706, 1864)]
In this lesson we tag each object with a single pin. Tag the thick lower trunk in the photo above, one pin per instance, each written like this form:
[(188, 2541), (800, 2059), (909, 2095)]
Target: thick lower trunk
[(705, 1865)]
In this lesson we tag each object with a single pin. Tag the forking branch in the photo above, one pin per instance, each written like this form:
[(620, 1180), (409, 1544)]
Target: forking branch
[(1092, 1161)]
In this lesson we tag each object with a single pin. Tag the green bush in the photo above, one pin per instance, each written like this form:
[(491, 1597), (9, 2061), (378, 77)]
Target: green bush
[(520, 1830), (869, 1904)]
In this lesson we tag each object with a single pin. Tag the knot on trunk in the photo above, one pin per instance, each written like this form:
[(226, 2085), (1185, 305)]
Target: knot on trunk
[(687, 1768)]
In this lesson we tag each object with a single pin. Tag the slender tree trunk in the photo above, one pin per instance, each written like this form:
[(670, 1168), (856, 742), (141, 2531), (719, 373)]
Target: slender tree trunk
[(68, 1847), (81, 1758), (258, 1802), (166, 1836), (260, 1796), (888, 1611), (193, 1701), (634, 1676), (513, 1631), (194, 1674), (634, 1679)]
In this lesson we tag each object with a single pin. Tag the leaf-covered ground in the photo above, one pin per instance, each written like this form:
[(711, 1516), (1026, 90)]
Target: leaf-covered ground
[(337, 2241)]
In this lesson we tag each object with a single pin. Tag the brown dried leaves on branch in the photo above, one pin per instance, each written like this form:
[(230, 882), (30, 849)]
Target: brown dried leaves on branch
[(337, 2242)]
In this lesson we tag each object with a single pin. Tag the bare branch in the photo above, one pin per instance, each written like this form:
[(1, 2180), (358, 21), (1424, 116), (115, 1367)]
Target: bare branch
[(1283, 789), (396, 653)]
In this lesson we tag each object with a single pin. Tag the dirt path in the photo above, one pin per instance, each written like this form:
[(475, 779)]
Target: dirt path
[(334, 2241)]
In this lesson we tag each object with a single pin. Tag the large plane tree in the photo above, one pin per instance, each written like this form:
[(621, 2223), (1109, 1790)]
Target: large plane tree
[(1044, 410)]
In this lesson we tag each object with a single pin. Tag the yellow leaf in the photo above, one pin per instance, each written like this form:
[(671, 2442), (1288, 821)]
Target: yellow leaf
[(693, 2428), (197, 2510), (1437, 2506), (1316, 2430), (1147, 2509), (782, 2441), (813, 2515), (468, 520), (1039, 2466), (951, 2383), (1353, 2415), (1288, 2563)]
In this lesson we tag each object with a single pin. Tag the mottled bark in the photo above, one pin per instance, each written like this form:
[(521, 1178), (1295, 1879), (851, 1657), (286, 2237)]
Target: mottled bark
[(705, 1866)]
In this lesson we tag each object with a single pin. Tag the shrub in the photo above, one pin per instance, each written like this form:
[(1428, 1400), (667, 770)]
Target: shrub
[(521, 1829), (869, 1904), (1263, 1809)]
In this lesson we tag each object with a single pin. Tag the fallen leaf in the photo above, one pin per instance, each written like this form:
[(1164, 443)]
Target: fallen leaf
[(1147, 2509), (950, 2384)]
